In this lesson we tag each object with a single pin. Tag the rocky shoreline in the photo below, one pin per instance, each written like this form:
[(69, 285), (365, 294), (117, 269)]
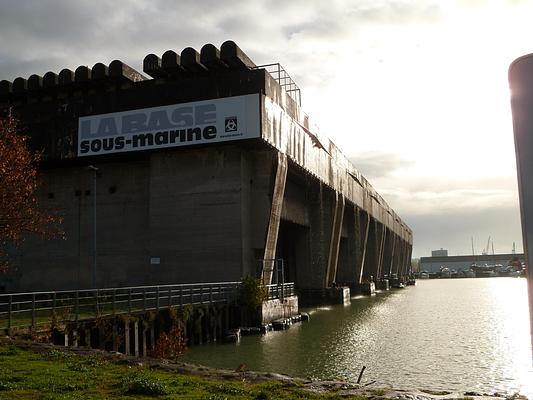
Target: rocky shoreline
[(340, 388)]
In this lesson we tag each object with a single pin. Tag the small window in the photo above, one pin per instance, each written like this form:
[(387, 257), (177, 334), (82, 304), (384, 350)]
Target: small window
[(51, 195), (87, 192), (112, 189), (77, 193)]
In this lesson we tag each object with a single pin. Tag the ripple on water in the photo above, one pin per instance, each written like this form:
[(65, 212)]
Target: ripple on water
[(458, 334)]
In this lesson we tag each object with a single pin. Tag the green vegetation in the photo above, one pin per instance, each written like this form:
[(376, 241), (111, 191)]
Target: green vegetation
[(57, 374), (252, 293)]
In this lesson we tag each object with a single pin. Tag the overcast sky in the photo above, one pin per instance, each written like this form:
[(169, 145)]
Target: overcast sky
[(415, 93)]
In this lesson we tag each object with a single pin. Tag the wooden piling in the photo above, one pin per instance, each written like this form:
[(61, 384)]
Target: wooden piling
[(114, 336), (127, 337), (144, 332), (136, 338), (87, 337)]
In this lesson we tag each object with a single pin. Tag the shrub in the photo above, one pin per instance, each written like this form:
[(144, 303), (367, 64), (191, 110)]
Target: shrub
[(170, 345), (252, 293), (139, 383)]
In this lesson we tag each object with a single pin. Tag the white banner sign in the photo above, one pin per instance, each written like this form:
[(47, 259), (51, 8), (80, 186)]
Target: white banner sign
[(210, 121)]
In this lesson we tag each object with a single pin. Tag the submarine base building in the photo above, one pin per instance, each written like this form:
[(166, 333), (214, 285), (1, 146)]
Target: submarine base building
[(205, 171)]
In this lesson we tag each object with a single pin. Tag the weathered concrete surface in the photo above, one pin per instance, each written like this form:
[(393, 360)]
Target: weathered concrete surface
[(203, 213), (276, 309)]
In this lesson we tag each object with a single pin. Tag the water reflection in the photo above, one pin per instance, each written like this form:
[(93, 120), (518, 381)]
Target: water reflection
[(465, 334)]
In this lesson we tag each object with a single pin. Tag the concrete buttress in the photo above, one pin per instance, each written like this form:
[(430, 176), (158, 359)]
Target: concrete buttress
[(335, 240), (275, 219)]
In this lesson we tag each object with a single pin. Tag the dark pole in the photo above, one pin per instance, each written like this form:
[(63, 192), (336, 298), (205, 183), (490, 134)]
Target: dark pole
[(95, 171)]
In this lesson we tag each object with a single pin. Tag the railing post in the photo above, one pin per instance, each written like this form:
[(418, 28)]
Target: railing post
[(96, 300), (181, 296), (129, 301), (169, 296), (54, 302), (9, 310), (210, 294), (192, 296), (33, 310), (114, 301), (157, 299), (144, 299)]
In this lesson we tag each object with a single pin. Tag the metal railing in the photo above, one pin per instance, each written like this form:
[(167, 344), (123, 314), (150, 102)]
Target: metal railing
[(280, 291), (31, 310), (285, 81)]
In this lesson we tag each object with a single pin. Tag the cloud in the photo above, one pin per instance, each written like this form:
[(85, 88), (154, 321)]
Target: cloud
[(372, 72), (46, 34), (377, 164)]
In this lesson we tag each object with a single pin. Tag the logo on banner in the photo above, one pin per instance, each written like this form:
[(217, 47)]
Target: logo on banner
[(231, 124)]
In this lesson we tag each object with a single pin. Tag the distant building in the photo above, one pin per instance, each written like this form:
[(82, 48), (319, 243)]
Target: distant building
[(463, 263), (439, 253)]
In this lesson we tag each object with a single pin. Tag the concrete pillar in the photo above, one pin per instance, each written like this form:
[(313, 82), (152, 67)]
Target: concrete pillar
[(394, 250), (372, 252), (275, 219), (320, 221), (387, 253), (380, 237), (335, 240), (349, 258), (395, 265), (407, 259), (409, 254), (364, 232), (75, 338), (401, 266), (66, 338)]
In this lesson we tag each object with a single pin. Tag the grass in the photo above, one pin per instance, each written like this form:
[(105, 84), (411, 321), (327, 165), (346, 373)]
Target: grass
[(58, 374)]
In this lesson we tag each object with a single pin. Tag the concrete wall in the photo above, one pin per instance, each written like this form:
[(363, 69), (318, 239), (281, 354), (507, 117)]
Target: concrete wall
[(202, 213)]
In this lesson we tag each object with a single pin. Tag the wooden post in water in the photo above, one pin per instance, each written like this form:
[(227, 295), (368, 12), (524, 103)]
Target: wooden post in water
[(127, 337), (87, 337), (144, 341), (136, 338), (114, 334)]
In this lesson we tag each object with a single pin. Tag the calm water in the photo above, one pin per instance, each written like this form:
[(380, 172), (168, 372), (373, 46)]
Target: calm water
[(460, 334)]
